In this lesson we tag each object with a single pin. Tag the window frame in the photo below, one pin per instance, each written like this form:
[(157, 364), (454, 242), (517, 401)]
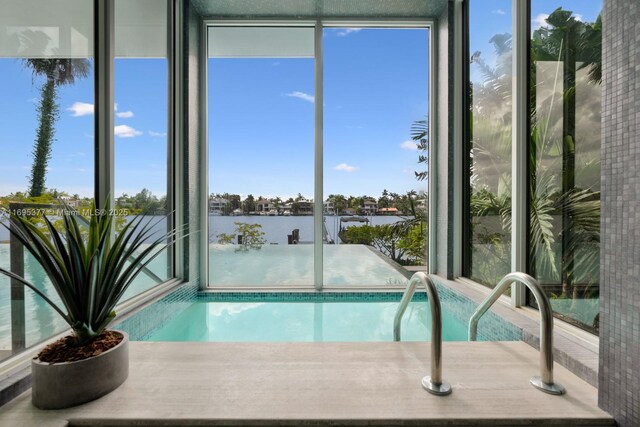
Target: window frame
[(319, 25)]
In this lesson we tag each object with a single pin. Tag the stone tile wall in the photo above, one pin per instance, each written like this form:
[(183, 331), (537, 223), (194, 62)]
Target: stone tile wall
[(619, 372)]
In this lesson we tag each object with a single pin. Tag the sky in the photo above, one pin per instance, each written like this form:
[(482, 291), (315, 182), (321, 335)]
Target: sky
[(140, 129), (261, 115)]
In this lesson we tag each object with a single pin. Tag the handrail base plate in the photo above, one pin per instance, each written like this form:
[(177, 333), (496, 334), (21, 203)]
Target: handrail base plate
[(554, 388), (441, 389)]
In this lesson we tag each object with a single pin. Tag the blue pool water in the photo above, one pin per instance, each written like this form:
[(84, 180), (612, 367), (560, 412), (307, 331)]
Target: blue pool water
[(303, 322)]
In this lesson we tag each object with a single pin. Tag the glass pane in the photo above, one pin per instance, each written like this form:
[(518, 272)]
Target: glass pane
[(140, 133), (46, 140), (489, 195), (375, 148), (565, 161), (261, 139)]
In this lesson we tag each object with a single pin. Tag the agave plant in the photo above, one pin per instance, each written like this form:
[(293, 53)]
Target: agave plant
[(89, 269)]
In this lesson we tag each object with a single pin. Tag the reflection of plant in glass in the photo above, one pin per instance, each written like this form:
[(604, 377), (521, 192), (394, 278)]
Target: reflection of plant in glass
[(564, 218), (248, 236), (490, 165), (570, 45)]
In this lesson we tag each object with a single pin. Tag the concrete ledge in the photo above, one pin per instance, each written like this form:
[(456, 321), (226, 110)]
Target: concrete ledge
[(230, 384), (15, 384)]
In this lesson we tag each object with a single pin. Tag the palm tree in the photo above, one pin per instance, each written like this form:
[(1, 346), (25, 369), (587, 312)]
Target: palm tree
[(58, 72)]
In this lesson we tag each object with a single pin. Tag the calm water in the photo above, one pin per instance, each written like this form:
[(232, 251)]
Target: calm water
[(276, 228), (303, 321)]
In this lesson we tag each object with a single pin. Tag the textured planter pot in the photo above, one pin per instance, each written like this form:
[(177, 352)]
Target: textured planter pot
[(62, 385)]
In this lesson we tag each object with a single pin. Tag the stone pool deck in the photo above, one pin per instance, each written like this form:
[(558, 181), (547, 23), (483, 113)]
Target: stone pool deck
[(232, 384)]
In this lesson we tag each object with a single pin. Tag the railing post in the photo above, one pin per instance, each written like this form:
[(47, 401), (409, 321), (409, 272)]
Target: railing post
[(16, 254), (433, 384), (544, 381)]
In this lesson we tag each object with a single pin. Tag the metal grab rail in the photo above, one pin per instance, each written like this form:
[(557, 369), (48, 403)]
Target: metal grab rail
[(544, 381), (433, 384)]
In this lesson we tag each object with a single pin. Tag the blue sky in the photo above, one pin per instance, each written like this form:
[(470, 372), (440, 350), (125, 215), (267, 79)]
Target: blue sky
[(261, 117)]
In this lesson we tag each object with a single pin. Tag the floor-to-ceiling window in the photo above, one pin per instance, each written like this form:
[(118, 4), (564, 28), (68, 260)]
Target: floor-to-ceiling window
[(277, 154), (564, 238), (375, 153), (562, 150), (261, 145), (141, 149), (46, 140), (488, 203)]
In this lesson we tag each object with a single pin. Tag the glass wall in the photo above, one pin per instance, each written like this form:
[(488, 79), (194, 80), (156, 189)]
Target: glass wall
[(46, 140), (376, 83), (563, 151), (566, 61), (261, 166), (140, 116), (488, 204)]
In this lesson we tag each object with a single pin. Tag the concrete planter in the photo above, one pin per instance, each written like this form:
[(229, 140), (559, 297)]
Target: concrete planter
[(62, 385)]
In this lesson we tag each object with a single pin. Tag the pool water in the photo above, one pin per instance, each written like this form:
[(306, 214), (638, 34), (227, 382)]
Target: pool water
[(303, 322)]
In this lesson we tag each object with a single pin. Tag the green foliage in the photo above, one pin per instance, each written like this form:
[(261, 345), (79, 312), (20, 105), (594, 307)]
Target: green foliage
[(404, 246), (415, 244), (252, 236), (420, 134), (90, 270), (143, 201)]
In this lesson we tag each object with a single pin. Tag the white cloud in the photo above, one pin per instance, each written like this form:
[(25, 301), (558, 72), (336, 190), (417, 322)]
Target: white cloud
[(498, 12), (303, 96), (409, 145), (125, 114), (345, 167), (347, 31), (79, 109), (124, 131), (578, 17), (540, 21), (152, 133)]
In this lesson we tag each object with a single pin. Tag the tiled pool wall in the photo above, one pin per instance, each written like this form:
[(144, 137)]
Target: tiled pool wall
[(142, 323), (139, 326)]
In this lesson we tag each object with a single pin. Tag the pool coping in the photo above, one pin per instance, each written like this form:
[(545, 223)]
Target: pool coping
[(331, 384), (575, 349)]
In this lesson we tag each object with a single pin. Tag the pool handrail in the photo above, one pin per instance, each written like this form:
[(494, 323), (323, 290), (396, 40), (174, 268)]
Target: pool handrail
[(434, 383), (544, 381)]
